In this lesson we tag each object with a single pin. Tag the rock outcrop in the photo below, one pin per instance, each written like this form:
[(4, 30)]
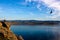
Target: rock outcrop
[(6, 34)]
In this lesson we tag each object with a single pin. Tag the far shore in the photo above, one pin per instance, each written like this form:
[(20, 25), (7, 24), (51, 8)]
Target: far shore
[(33, 22)]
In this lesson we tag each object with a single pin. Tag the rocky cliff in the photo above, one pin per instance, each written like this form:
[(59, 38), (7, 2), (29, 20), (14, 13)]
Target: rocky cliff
[(6, 34)]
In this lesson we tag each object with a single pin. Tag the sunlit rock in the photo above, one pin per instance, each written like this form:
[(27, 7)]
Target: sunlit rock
[(6, 34)]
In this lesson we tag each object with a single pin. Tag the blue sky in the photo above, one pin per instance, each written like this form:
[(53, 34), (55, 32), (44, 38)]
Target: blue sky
[(29, 9)]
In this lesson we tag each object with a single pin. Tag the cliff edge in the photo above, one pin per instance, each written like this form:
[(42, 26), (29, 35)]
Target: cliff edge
[(6, 34)]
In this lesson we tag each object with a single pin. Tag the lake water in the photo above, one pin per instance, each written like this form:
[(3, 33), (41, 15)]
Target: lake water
[(37, 32)]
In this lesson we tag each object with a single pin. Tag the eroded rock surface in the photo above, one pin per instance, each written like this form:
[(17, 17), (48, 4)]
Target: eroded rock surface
[(6, 34)]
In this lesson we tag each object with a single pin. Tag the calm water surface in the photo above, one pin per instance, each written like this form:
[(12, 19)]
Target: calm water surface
[(37, 32)]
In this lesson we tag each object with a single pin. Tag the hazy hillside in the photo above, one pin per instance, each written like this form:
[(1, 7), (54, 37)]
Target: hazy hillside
[(33, 22)]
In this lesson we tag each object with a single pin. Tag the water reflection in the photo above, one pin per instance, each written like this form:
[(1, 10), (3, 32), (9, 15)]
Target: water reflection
[(37, 32)]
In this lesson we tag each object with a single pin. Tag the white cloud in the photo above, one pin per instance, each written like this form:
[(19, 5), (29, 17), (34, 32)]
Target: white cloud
[(38, 6), (32, 14), (54, 4), (28, 0)]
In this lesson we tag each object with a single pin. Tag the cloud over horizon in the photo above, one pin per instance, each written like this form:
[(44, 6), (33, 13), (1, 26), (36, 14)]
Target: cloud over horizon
[(30, 9)]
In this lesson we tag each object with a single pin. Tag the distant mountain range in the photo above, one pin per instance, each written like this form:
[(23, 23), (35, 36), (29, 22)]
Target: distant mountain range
[(32, 22)]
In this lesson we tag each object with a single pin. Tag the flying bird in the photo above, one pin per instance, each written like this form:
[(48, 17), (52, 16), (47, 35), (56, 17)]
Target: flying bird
[(51, 12)]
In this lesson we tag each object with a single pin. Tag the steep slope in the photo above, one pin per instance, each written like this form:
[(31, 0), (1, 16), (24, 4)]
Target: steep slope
[(6, 34)]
